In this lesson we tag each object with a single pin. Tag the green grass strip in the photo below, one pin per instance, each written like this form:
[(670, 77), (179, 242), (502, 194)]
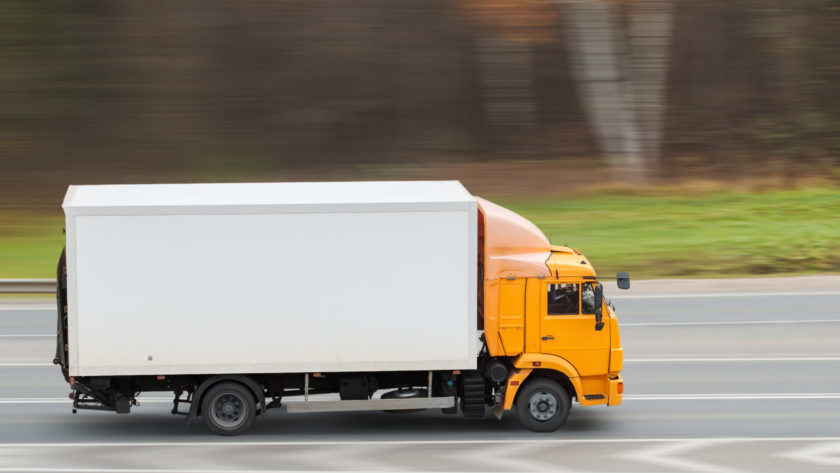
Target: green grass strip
[(657, 235)]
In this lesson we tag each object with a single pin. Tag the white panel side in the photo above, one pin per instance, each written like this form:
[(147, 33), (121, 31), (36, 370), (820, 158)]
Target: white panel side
[(274, 292), (472, 292), (72, 295)]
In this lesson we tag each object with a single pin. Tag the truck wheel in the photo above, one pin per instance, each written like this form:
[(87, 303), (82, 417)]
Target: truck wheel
[(543, 405), (228, 409)]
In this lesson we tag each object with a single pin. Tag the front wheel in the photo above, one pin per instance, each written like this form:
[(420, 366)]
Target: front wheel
[(543, 405), (228, 409)]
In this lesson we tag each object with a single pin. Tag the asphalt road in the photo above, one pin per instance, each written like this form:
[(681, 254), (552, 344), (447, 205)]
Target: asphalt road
[(713, 382)]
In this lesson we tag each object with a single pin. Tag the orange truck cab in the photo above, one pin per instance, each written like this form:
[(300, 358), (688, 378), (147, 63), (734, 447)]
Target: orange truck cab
[(547, 327)]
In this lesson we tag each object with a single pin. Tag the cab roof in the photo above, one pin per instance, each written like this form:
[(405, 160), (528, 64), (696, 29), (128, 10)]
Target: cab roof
[(568, 262)]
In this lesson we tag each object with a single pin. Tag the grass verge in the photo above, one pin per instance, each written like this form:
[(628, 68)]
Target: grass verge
[(721, 234), (30, 245), (654, 234)]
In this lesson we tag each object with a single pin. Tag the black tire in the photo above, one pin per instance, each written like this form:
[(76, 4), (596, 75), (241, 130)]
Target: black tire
[(543, 405), (228, 408)]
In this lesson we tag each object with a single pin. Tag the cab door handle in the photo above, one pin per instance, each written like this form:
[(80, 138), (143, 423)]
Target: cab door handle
[(548, 337)]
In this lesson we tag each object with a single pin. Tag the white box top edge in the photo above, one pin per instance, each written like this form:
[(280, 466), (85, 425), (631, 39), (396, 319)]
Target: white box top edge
[(292, 197)]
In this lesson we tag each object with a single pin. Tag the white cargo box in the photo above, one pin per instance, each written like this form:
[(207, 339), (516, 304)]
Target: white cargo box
[(271, 278)]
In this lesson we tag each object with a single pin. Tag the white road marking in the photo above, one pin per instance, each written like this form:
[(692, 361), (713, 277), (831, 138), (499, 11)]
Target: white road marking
[(730, 359), (20, 308), (722, 294), (727, 322), (363, 458), (28, 335), (751, 355), (621, 324), (184, 470), (688, 295), (672, 456), (327, 443), (517, 457), (237, 470), (15, 365), (728, 397), (826, 454)]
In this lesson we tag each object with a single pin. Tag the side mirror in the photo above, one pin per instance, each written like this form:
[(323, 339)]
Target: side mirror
[(599, 302), (623, 280)]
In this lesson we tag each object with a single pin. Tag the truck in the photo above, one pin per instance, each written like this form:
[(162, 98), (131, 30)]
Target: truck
[(239, 298)]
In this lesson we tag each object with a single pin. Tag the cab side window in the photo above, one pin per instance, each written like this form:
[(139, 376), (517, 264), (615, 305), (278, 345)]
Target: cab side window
[(563, 299), (587, 298)]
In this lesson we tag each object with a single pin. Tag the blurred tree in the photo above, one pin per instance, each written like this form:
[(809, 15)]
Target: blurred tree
[(620, 62), (649, 32), (130, 90)]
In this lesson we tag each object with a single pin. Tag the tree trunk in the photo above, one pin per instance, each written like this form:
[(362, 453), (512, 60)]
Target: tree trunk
[(622, 89)]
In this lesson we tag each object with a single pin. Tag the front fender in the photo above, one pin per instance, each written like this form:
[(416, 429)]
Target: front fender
[(526, 363)]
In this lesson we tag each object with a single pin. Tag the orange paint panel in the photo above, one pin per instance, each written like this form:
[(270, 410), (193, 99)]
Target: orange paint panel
[(514, 382), (513, 246), (532, 315), (512, 316), (491, 318)]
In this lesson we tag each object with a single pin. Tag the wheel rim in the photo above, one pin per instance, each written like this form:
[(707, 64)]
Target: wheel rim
[(542, 405), (228, 410)]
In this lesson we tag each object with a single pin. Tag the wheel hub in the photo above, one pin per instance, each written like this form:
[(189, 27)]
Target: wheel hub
[(228, 410), (542, 406)]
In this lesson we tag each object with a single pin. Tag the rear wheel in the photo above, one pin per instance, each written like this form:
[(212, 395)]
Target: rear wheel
[(543, 405), (228, 409)]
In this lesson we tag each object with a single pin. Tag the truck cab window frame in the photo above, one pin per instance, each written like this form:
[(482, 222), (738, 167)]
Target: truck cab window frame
[(563, 299), (587, 298)]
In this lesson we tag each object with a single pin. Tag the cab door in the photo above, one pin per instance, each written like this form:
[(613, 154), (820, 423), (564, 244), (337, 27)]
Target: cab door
[(568, 331), (512, 316)]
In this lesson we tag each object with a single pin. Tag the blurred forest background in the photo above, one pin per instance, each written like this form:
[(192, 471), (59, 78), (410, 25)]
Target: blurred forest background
[(524, 101)]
